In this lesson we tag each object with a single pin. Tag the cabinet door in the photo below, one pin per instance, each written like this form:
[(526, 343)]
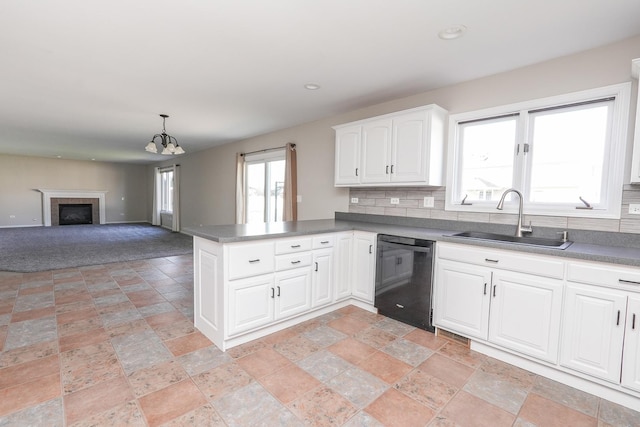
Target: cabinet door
[(376, 151), (343, 270), (250, 303), (409, 148), (292, 293), (525, 314), (322, 280), (348, 155), (364, 265), (593, 331), (631, 357), (462, 298)]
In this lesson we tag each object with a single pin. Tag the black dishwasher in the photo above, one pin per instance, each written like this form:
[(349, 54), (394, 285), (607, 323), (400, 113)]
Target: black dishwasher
[(404, 268)]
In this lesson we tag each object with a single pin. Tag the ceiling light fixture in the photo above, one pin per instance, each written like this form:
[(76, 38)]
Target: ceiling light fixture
[(452, 32), (312, 86), (169, 144)]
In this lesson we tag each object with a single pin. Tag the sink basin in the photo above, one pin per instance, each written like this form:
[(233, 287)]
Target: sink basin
[(531, 241)]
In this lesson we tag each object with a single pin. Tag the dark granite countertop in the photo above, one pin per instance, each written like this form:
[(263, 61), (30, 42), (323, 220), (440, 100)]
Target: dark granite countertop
[(625, 253)]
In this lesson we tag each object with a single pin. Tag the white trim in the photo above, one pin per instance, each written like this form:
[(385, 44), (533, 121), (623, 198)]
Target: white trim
[(613, 189), (47, 195)]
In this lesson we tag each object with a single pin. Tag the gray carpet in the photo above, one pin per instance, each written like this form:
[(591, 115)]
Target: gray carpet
[(30, 249)]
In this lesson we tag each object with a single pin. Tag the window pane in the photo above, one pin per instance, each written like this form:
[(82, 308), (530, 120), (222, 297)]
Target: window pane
[(487, 158), (166, 191), (276, 190), (567, 149), (255, 192)]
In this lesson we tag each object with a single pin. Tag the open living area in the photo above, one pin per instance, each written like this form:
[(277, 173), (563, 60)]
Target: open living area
[(302, 213)]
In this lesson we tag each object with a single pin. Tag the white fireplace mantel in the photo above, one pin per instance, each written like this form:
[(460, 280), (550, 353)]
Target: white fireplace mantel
[(47, 195)]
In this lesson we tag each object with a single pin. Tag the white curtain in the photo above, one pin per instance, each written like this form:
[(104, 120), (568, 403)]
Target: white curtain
[(155, 213), (175, 225), (240, 199), (291, 184)]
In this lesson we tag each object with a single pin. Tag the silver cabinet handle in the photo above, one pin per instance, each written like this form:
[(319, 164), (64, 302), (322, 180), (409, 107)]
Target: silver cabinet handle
[(273, 293), (356, 171), (494, 290), (495, 261), (630, 282), (618, 319), (295, 246), (633, 322), (387, 170), (295, 262), (278, 290), (485, 289), (324, 242), (391, 168), (370, 249), (253, 261), (316, 266)]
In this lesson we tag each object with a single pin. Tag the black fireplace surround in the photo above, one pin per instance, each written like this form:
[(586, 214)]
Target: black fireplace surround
[(71, 214)]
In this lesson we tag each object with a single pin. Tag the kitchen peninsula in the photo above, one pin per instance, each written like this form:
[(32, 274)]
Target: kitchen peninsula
[(253, 280)]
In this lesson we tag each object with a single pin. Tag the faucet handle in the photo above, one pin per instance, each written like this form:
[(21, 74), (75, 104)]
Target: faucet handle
[(564, 234), (527, 228)]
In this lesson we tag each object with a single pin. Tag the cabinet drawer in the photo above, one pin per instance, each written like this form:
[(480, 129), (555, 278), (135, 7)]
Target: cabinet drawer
[(604, 275), (287, 262), (508, 260), (323, 241), (247, 260), (287, 246)]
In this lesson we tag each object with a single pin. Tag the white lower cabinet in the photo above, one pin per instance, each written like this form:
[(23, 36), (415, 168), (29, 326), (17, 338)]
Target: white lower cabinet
[(364, 265), (250, 303), (292, 293), (247, 289), (525, 314), (343, 265), (514, 310), (322, 277), (461, 301), (631, 356)]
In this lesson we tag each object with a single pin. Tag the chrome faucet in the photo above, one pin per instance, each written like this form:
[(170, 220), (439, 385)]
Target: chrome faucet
[(519, 228)]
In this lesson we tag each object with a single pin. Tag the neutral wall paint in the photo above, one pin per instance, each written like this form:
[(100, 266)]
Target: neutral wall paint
[(21, 176), (208, 177)]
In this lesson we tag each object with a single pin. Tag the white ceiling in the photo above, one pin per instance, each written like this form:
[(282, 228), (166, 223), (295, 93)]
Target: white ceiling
[(86, 79)]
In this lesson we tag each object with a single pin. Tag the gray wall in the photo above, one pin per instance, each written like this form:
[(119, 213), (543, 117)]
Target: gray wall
[(208, 177), (21, 176)]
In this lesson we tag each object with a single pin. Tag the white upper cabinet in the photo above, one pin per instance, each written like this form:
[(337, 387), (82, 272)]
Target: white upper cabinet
[(403, 148), (347, 167), (635, 165)]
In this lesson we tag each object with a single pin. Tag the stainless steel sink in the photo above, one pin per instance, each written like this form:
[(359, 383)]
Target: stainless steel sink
[(532, 241)]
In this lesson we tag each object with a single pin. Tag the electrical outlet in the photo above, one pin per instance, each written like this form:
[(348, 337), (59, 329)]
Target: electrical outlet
[(354, 200), (299, 198), (634, 208), (429, 202), (395, 201)]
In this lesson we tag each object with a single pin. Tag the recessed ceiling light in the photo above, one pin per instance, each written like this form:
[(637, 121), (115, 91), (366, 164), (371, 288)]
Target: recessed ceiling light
[(312, 86), (452, 32)]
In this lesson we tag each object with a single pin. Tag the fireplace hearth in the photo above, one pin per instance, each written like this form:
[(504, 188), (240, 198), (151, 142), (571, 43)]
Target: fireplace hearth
[(72, 214)]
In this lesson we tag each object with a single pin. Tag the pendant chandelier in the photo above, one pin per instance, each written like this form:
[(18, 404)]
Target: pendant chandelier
[(169, 144)]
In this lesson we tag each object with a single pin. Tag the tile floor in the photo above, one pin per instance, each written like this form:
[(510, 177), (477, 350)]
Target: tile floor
[(115, 345)]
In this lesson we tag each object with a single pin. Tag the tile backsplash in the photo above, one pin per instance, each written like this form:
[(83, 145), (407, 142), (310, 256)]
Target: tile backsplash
[(376, 201)]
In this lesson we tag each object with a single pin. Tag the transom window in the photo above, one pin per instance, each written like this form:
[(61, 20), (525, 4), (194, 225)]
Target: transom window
[(564, 154)]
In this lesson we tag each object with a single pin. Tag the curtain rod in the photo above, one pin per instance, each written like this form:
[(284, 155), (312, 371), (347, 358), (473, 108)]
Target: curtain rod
[(267, 149)]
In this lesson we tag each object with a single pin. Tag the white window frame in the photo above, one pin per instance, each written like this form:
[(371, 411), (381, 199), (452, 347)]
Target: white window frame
[(262, 157), (613, 165), (166, 193)]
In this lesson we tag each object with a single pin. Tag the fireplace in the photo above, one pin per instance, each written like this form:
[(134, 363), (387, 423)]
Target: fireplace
[(52, 199), (71, 214)]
